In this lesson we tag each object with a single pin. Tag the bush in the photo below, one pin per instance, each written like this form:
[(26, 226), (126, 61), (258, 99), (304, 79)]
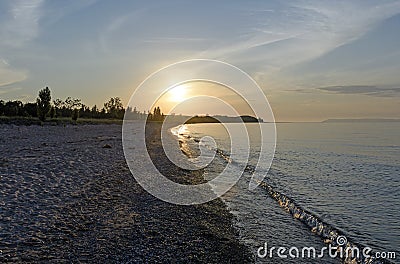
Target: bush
[(43, 103)]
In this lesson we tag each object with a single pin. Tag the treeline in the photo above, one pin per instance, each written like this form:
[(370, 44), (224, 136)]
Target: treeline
[(73, 108)]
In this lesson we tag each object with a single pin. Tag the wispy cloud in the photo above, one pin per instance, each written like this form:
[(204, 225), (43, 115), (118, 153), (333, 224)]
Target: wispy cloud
[(21, 23), (9, 75), (363, 89), (298, 31), (4, 89), (164, 40), (107, 35)]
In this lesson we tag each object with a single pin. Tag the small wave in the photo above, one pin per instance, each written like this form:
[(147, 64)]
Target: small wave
[(177, 131), (329, 233)]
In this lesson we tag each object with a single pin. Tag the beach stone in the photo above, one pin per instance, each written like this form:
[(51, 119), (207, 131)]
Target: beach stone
[(73, 202)]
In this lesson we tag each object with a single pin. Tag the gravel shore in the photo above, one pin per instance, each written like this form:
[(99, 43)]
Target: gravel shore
[(67, 195)]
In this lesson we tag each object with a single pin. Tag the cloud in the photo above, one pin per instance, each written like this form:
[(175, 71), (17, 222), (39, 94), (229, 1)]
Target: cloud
[(288, 34), (8, 75), (363, 89), (300, 90), (21, 23), (4, 89), (116, 24), (173, 40)]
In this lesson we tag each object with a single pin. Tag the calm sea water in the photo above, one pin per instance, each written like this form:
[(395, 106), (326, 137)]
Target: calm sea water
[(346, 174)]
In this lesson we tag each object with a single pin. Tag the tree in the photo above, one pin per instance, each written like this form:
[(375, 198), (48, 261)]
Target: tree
[(157, 115), (94, 112), (2, 106), (30, 109), (73, 106), (43, 103), (13, 108), (114, 108), (84, 111), (52, 112), (75, 114), (73, 103), (58, 103)]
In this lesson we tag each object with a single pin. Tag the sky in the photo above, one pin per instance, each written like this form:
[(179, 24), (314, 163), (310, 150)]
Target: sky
[(314, 60)]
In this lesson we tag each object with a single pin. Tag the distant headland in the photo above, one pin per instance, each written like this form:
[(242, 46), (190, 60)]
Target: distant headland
[(223, 119), (360, 120)]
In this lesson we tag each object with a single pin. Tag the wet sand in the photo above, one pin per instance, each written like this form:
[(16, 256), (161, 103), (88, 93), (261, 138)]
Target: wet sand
[(65, 197)]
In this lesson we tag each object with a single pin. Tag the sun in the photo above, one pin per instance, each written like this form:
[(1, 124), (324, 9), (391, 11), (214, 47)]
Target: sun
[(178, 93)]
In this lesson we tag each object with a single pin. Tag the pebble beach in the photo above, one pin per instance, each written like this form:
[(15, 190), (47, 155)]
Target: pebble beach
[(67, 195)]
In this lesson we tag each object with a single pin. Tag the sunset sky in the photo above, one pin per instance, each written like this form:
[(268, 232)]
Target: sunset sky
[(313, 59)]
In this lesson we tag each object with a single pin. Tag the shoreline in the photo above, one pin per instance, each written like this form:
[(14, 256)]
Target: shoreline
[(67, 198), (30, 121)]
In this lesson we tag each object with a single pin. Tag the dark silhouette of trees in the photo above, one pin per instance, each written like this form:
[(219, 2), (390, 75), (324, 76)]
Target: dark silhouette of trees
[(30, 110), (75, 114), (57, 107), (52, 112), (13, 108), (43, 103), (134, 114), (74, 108), (94, 112), (17, 108), (114, 108), (73, 105), (157, 115)]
